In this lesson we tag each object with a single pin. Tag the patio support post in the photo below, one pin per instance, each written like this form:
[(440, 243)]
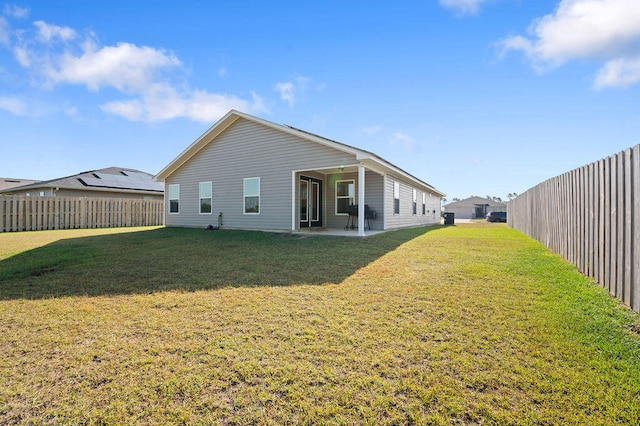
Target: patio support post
[(293, 200), (361, 201)]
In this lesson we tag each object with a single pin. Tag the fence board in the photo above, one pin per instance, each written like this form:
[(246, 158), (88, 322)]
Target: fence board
[(591, 216), (22, 213), (635, 244)]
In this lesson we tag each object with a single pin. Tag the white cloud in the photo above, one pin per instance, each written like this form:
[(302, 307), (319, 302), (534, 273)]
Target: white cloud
[(402, 140), (619, 73), (126, 67), (149, 77), (601, 30), (48, 32), (371, 130), (290, 91), (16, 11), (287, 92), (4, 32), (13, 105), (165, 103), (468, 7), (23, 56)]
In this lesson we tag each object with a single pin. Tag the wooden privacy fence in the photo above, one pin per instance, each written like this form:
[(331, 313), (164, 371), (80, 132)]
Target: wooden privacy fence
[(22, 213), (590, 216)]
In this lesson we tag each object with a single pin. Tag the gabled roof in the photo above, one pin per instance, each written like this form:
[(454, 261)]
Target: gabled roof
[(6, 183), (474, 201), (107, 179), (368, 158)]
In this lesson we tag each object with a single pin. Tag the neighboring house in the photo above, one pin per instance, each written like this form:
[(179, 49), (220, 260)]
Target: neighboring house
[(474, 207), (112, 182), (262, 175), (7, 183)]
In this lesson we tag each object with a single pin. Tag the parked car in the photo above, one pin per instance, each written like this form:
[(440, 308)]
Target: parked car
[(497, 217)]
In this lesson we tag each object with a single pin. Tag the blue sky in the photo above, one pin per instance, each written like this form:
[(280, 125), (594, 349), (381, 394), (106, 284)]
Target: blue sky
[(476, 97)]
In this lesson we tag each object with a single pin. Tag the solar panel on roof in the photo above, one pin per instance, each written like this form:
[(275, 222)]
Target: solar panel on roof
[(139, 181)]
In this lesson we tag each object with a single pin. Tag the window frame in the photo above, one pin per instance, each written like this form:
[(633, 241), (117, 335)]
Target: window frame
[(175, 186), (414, 197), (201, 198), (343, 197), (396, 199), (245, 195), (424, 203)]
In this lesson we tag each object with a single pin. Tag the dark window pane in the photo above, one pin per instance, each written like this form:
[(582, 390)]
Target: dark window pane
[(205, 205), (252, 204), (343, 203)]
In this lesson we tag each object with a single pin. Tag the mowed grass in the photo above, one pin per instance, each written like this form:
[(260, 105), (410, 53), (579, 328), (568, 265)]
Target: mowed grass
[(469, 324)]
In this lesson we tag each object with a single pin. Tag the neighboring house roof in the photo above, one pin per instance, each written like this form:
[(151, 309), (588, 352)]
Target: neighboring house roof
[(369, 159), (6, 183), (110, 179), (474, 201)]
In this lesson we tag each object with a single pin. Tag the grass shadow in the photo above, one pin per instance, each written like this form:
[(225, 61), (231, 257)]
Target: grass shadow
[(188, 259)]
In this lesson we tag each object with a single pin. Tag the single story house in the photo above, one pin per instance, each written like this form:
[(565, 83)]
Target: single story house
[(7, 183), (111, 182), (474, 208), (255, 174)]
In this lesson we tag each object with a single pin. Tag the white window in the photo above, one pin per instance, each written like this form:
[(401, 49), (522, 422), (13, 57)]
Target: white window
[(206, 195), (396, 197), (424, 203), (174, 198), (345, 195), (252, 195), (415, 201)]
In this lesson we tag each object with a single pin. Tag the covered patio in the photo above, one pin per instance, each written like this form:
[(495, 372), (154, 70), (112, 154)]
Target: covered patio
[(322, 200)]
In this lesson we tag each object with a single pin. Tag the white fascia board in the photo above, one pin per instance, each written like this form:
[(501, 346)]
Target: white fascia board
[(381, 166), (199, 143)]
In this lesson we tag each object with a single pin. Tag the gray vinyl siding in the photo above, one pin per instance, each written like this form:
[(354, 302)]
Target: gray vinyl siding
[(433, 203), (245, 150), (374, 198), (406, 218), (334, 220)]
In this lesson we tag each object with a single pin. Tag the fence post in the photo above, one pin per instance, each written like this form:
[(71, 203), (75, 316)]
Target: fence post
[(591, 216)]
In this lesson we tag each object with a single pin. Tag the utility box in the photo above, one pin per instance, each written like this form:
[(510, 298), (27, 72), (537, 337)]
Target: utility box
[(449, 218)]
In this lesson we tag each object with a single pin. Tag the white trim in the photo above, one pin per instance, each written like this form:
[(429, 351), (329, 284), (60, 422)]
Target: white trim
[(336, 195), (396, 182), (169, 197), (300, 193), (318, 196), (361, 201), (293, 200), (384, 201), (414, 202), (244, 196), (200, 197)]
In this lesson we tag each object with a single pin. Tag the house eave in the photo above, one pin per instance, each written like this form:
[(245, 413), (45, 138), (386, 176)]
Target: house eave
[(199, 143), (366, 158), (384, 167), (227, 121)]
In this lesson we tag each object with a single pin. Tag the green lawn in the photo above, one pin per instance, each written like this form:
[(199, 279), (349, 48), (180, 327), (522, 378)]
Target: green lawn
[(474, 323)]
